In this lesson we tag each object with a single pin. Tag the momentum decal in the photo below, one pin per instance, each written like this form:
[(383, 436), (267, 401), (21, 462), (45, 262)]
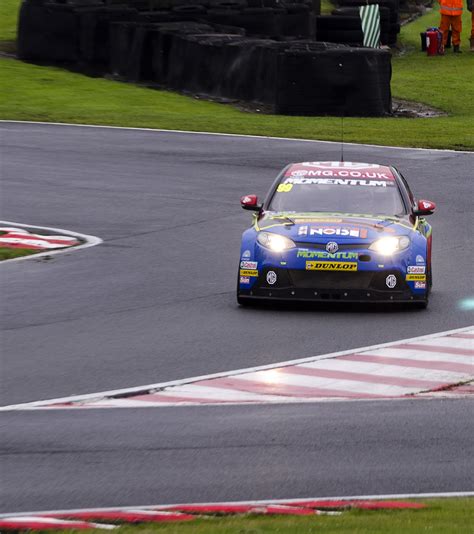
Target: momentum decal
[(420, 277), (248, 272), (330, 266), (339, 181), (322, 255)]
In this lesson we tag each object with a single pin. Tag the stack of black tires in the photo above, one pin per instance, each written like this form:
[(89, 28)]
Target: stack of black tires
[(349, 27), (261, 52)]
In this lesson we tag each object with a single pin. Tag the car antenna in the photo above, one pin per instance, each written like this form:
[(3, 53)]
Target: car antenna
[(342, 137), (342, 120)]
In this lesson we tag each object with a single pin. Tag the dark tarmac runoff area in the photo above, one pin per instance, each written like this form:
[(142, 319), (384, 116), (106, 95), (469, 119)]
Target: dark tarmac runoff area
[(156, 302)]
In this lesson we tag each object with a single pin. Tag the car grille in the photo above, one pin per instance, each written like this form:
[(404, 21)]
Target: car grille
[(333, 280), (302, 279), (322, 246)]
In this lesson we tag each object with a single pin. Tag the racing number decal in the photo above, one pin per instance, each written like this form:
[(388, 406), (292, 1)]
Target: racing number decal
[(284, 188)]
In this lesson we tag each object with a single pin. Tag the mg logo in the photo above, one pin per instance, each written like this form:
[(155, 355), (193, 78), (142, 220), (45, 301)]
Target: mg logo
[(332, 247)]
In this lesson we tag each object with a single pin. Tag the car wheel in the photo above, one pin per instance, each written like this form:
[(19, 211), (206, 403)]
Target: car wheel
[(422, 304), (241, 301)]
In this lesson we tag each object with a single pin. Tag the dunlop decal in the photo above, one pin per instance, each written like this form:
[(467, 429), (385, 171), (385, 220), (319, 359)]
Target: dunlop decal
[(248, 272), (419, 277), (330, 266)]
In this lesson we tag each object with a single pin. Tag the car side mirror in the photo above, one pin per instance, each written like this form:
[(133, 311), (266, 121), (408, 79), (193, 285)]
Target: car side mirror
[(425, 207), (250, 202)]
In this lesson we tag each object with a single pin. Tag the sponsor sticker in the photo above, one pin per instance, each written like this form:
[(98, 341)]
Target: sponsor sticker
[(339, 164), (271, 277), (391, 281), (416, 269), (412, 277), (246, 254), (321, 255), (420, 260), (302, 220), (330, 266), (332, 231), (355, 178), (284, 188), (420, 285), (244, 280), (248, 264), (303, 230), (248, 272)]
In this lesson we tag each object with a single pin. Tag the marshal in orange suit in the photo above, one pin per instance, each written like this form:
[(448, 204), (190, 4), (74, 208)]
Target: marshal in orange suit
[(451, 17)]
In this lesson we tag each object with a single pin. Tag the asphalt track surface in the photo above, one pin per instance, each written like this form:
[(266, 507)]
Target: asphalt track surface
[(156, 302)]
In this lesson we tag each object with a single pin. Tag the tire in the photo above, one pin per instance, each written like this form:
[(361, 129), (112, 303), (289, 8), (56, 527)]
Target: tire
[(240, 301), (228, 4), (340, 23), (293, 9), (190, 9), (341, 36), (243, 302), (421, 304)]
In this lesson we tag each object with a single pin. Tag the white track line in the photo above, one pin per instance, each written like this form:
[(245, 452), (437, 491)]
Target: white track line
[(90, 241), (158, 386), (445, 495), (233, 135)]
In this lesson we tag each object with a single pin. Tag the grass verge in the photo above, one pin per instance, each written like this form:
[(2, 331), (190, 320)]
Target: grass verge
[(44, 93), (10, 253), (442, 516)]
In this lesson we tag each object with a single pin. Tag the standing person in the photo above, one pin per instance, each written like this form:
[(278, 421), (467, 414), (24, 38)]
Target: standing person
[(451, 17), (469, 6)]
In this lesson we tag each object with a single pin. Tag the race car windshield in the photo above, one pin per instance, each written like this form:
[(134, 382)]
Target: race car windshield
[(357, 196)]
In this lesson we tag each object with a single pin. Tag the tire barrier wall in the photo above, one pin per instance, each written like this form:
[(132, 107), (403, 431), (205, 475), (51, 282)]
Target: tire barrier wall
[(207, 56), (340, 81), (389, 28), (385, 26)]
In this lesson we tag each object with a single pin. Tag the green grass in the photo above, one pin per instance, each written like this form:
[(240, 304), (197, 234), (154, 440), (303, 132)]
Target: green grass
[(41, 93), (10, 253), (326, 7), (8, 19), (446, 516)]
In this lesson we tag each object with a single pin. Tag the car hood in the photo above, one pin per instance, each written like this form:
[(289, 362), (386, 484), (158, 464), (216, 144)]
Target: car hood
[(324, 227)]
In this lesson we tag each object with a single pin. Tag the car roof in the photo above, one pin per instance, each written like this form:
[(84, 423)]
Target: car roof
[(340, 169)]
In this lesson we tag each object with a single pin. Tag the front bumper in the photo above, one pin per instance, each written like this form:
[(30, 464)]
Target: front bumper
[(303, 285)]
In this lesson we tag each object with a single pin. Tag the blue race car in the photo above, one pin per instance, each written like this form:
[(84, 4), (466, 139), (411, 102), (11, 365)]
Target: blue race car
[(337, 231)]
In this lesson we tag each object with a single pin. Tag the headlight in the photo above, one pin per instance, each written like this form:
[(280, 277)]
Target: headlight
[(275, 242), (389, 245)]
